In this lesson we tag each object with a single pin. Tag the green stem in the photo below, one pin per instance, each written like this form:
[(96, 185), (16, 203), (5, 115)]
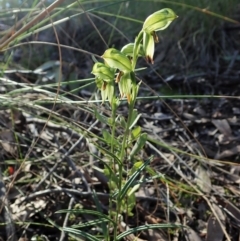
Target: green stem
[(122, 153), (113, 164), (136, 48), (127, 130)]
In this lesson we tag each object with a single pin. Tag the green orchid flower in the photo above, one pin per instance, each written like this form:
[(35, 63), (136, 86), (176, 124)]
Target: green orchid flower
[(101, 71), (117, 60), (155, 22), (159, 20), (125, 86), (149, 46)]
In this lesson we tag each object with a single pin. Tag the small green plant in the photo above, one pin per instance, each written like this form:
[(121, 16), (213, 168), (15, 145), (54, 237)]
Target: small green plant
[(115, 78), (118, 69)]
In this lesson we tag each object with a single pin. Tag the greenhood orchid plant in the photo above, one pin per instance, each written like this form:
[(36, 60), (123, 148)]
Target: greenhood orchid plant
[(124, 61), (118, 70)]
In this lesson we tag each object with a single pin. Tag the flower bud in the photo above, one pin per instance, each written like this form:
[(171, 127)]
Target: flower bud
[(117, 60), (159, 20)]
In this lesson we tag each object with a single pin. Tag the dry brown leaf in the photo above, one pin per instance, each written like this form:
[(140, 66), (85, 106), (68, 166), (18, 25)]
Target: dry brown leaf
[(199, 110), (233, 189), (223, 127), (214, 230), (234, 174), (191, 235), (234, 213), (189, 116), (145, 191), (227, 153), (156, 235), (203, 180), (7, 140)]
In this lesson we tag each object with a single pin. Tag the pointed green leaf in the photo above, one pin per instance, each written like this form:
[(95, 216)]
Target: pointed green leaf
[(136, 132), (138, 145), (123, 122), (107, 136), (99, 116), (146, 227), (131, 180), (131, 201), (80, 233), (134, 119), (109, 139)]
